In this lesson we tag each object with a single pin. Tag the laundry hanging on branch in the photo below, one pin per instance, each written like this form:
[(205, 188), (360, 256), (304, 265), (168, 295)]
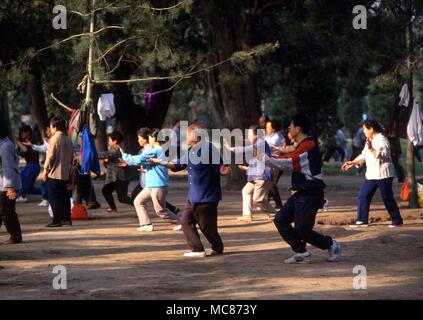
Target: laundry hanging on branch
[(106, 106), (149, 100)]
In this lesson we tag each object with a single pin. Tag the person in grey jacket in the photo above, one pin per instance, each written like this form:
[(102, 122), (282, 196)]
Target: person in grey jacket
[(10, 182)]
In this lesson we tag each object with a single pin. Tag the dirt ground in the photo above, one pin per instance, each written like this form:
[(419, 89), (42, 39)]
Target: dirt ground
[(106, 258)]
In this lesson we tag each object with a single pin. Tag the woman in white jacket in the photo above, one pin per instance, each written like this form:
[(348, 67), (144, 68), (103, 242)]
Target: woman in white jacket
[(380, 174)]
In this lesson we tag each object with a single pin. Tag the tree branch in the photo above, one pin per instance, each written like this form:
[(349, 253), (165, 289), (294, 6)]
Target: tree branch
[(70, 109)]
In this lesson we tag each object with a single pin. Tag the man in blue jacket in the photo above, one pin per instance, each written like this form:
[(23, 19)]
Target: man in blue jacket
[(204, 192), (10, 182)]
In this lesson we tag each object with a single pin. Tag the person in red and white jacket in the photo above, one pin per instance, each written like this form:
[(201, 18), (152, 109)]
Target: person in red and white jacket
[(308, 196)]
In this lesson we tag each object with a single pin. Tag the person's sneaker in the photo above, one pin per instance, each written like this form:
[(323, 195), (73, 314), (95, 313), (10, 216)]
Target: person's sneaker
[(53, 225), (215, 253), (43, 203), (304, 257), (200, 254), (395, 225), (110, 210), (21, 199), (245, 218), (66, 223), (335, 252), (326, 205), (271, 215), (176, 212), (146, 228), (358, 224), (178, 227)]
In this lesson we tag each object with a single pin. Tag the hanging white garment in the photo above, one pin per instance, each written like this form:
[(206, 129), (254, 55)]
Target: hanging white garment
[(106, 106), (404, 96), (415, 127)]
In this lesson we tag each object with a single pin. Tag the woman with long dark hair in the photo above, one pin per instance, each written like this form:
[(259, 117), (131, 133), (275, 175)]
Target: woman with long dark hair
[(32, 168), (379, 175)]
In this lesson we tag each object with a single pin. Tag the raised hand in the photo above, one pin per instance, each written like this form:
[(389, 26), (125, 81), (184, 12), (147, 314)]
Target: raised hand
[(27, 143), (11, 193), (154, 161), (225, 170), (347, 165)]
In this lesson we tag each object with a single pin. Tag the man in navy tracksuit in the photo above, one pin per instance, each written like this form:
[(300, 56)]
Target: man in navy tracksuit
[(308, 196)]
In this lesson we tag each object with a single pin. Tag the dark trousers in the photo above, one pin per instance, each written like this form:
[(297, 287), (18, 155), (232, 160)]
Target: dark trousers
[(301, 208), (121, 188), (366, 194), (274, 192), (43, 190), (58, 197), (10, 218), (205, 215), (84, 190), (138, 189)]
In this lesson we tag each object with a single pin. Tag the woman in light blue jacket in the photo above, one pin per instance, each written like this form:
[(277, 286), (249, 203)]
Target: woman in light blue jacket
[(156, 184)]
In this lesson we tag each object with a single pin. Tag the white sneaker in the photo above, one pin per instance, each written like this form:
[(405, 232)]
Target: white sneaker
[(247, 218), (178, 227), (146, 228), (358, 224), (21, 199), (326, 205), (304, 257), (43, 203), (395, 225), (200, 254), (335, 252)]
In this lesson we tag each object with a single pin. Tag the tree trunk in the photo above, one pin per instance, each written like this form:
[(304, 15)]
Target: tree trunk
[(232, 96), (157, 114), (129, 116), (38, 103), (235, 98), (4, 111), (411, 174), (101, 137)]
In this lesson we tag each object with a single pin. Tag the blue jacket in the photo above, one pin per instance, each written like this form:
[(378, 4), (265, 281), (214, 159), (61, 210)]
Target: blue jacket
[(157, 176), (203, 176), (9, 166), (89, 157)]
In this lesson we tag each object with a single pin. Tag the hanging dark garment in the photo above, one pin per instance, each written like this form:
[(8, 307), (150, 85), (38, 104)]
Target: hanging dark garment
[(398, 119)]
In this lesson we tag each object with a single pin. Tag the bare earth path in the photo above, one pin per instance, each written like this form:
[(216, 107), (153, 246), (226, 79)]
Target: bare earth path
[(106, 258)]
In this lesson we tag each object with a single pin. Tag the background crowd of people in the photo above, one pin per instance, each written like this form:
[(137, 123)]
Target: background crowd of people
[(67, 168)]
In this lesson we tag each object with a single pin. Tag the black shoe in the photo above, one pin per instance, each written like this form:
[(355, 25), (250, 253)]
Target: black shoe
[(11, 241), (177, 211), (94, 206), (53, 225), (66, 223), (215, 253)]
